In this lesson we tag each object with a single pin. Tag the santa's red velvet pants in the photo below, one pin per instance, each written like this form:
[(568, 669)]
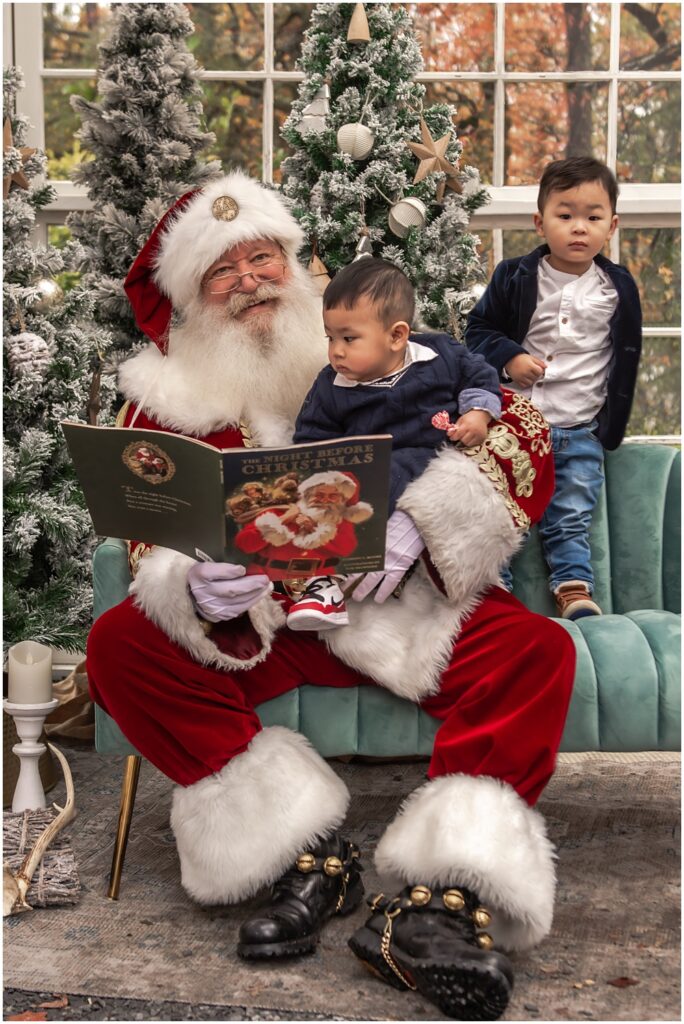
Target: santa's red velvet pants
[(502, 703)]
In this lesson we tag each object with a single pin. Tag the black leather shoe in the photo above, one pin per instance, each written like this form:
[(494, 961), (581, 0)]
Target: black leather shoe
[(324, 881), (426, 940)]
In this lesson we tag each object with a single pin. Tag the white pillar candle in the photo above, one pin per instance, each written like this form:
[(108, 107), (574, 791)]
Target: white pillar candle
[(30, 673)]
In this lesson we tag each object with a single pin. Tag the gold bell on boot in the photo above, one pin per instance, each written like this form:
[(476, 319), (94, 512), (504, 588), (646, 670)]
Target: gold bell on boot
[(306, 862), (482, 917), (332, 866), (420, 895), (453, 899)]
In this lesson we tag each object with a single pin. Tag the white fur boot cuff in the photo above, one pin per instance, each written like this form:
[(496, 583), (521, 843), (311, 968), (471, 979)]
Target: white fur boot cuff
[(477, 832), (244, 826)]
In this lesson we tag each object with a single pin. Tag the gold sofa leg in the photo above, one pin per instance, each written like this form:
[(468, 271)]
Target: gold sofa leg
[(128, 789)]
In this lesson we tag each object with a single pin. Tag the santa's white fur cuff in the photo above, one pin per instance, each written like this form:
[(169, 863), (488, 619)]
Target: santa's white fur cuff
[(477, 832), (243, 827)]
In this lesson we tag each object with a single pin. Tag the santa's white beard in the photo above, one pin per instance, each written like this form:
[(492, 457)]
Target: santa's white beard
[(331, 515), (221, 371)]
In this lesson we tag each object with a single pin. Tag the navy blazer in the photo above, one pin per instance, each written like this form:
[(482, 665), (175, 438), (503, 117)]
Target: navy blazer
[(499, 322)]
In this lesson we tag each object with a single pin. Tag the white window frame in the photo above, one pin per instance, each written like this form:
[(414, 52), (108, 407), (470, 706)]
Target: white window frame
[(510, 206)]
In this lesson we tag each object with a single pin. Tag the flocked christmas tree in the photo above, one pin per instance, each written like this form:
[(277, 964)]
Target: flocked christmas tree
[(50, 351), (145, 136), (374, 171)]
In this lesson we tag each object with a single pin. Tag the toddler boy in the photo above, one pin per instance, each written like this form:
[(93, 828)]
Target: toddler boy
[(383, 379), (562, 326)]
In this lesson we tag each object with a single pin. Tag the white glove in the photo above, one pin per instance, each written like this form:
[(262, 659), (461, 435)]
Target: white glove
[(222, 591), (403, 545)]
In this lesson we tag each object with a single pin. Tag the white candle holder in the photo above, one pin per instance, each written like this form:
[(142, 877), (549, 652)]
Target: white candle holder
[(28, 718)]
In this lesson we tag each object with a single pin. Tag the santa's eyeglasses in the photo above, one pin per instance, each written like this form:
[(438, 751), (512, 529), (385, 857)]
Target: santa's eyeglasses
[(263, 267)]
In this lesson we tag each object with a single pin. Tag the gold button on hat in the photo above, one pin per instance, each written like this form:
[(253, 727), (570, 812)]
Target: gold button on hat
[(225, 208)]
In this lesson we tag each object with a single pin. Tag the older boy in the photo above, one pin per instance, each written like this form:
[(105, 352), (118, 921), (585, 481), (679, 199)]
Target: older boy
[(382, 379), (562, 326)]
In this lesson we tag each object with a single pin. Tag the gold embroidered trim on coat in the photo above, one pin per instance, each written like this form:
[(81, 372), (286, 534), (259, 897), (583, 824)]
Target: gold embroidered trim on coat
[(136, 555)]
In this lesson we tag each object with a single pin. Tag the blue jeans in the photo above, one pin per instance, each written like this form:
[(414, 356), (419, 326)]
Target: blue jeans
[(564, 528)]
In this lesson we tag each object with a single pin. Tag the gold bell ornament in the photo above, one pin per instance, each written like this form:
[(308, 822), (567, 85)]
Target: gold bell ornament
[(49, 295)]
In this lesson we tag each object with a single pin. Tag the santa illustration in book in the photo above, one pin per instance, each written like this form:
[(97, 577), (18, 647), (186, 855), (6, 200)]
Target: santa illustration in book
[(311, 536)]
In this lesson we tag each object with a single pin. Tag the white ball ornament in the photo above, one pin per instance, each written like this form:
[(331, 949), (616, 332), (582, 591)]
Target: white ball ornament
[(27, 352), (406, 214), (356, 139)]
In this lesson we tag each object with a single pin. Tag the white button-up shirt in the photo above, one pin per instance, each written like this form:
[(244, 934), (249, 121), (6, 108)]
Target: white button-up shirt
[(570, 331)]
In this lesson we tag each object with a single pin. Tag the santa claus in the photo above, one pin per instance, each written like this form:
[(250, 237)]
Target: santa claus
[(181, 664)]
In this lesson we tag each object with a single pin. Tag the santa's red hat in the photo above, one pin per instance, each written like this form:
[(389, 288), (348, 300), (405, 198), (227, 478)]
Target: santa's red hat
[(193, 234), (348, 485)]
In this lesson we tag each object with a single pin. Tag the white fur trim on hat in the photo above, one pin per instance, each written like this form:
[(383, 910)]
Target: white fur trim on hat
[(242, 827), (195, 238), (477, 832), (340, 480)]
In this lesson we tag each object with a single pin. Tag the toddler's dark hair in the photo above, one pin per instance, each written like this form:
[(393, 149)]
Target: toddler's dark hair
[(576, 170), (384, 283)]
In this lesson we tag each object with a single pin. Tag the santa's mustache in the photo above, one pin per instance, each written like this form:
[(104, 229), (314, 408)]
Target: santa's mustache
[(241, 300)]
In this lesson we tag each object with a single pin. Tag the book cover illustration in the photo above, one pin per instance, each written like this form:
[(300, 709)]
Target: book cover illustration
[(302, 510)]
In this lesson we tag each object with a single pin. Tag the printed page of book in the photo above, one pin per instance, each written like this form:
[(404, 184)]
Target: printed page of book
[(151, 486), (310, 509)]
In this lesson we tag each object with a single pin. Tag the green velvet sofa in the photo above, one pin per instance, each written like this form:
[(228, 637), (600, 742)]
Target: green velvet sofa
[(627, 685)]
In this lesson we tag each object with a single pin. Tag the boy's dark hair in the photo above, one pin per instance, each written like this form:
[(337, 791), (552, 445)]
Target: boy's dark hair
[(576, 170), (384, 283)]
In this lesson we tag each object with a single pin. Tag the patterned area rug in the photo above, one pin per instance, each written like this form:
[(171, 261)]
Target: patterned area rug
[(614, 819)]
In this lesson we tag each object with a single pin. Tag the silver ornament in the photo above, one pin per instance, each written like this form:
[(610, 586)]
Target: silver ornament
[(356, 139), (27, 352), (363, 248), (406, 214), (50, 294)]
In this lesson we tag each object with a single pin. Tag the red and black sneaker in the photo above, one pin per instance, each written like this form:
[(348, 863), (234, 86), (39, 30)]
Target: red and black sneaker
[(321, 606)]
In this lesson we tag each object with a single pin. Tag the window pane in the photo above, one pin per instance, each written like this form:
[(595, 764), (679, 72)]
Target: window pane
[(657, 407), (552, 120), (61, 122), (283, 95), (234, 112), (649, 131), (518, 243), (290, 21), (71, 33), (455, 37), (557, 37), (650, 37), (228, 37), (653, 255), (474, 103)]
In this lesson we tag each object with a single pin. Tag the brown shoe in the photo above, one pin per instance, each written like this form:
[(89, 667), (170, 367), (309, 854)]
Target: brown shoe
[(573, 600)]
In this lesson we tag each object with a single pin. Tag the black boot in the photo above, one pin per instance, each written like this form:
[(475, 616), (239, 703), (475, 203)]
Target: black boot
[(323, 881), (426, 940)]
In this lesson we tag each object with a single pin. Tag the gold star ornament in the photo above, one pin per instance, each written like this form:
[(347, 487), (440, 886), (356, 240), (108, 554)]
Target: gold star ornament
[(18, 178), (432, 155)]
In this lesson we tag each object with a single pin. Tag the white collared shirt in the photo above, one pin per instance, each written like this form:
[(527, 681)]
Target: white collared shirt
[(414, 353), (570, 331)]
